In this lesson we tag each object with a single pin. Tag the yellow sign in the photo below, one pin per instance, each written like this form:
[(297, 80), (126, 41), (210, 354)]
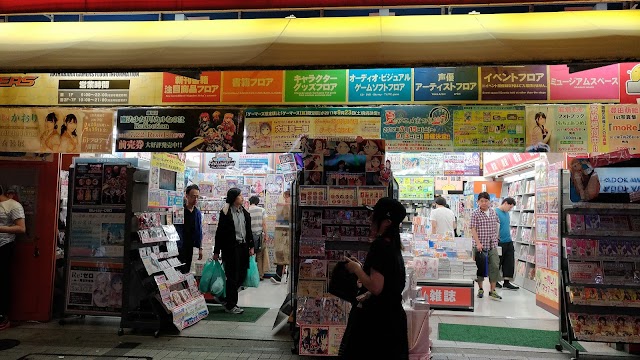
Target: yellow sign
[(168, 162)]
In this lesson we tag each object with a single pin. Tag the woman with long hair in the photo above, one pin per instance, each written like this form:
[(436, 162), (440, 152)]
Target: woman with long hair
[(540, 135), (50, 139), (377, 326), (68, 135)]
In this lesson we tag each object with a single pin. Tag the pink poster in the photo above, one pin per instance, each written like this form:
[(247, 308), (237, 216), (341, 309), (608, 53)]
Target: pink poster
[(599, 84)]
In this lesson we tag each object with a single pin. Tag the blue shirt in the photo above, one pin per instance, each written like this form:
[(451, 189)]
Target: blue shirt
[(505, 226)]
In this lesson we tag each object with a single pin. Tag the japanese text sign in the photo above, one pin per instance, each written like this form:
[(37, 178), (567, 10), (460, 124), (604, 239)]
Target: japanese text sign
[(448, 296), (446, 84), (376, 85), (484, 128), (263, 86), (183, 89), (417, 128), (524, 83), (315, 86), (599, 84), (622, 128)]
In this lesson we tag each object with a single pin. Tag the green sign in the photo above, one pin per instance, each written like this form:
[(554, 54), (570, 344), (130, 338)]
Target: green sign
[(416, 187), (315, 86)]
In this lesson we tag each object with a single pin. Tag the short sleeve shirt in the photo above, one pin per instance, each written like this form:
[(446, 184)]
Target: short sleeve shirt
[(388, 261), (257, 215), (10, 211), (486, 226)]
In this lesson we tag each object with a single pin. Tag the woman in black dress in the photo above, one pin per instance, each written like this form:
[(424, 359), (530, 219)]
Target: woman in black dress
[(377, 327)]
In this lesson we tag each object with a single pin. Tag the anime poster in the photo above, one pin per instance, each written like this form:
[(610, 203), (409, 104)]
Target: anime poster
[(97, 233), (95, 288), (180, 130)]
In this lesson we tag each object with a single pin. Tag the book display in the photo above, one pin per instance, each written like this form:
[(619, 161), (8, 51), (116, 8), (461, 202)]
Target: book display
[(599, 268)]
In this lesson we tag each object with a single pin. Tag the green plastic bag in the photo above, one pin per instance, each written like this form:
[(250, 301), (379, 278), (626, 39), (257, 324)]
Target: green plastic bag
[(205, 279), (253, 275), (218, 285)]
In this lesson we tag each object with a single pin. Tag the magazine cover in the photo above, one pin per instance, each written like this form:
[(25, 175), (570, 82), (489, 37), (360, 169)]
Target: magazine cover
[(575, 224), (369, 195), (585, 272), (313, 269), (311, 288), (314, 340), (618, 272), (311, 223), (312, 247), (577, 248), (342, 196), (313, 195)]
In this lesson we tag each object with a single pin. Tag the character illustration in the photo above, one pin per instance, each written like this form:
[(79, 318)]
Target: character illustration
[(50, 139), (584, 179)]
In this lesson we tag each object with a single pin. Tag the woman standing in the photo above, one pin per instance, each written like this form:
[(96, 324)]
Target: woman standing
[(377, 327)]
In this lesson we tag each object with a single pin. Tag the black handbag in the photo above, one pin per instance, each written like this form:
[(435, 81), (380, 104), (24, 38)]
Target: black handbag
[(343, 284)]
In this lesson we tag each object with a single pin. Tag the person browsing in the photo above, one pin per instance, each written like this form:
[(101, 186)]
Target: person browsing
[(507, 259), (442, 219), (484, 230), (191, 231)]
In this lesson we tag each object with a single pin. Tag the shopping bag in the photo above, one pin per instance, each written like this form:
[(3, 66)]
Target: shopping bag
[(205, 279), (253, 276), (343, 284), (218, 280)]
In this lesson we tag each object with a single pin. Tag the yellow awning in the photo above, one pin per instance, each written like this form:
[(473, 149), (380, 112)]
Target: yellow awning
[(581, 36)]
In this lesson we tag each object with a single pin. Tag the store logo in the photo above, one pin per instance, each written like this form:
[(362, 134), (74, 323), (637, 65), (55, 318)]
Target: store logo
[(633, 84), (439, 115), (17, 81)]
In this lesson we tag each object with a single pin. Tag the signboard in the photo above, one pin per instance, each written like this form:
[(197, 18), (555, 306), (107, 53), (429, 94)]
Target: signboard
[(94, 288), (55, 130), (463, 164), (168, 162), (446, 84), (254, 162), (93, 92), (598, 84), (630, 83), (622, 127), (547, 290), (444, 297), (98, 233), (557, 128), (417, 128), (179, 130), (380, 85), (315, 86), (415, 188), (489, 128), (524, 83), (508, 161), (279, 130), (263, 86), (183, 89), (428, 164)]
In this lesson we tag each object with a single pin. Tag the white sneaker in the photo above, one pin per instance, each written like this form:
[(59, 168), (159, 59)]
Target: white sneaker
[(273, 280), (235, 310)]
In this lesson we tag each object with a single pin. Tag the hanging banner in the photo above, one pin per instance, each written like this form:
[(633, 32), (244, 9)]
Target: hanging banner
[(446, 84), (462, 164), (523, 83), (180, 130), (252, 87), (598, 84), (427, 164), (489, 128), (183, 89), (630, 83), (315, 86), (415, 188), (421, 128), (380, 85), (279, 130), (168, 162), (622, 126), (56, 130)]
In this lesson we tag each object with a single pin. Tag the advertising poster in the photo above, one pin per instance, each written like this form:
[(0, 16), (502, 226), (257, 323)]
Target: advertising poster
[(251, 87), (180, 130), (186, 90), (416, 188), (315, 86), (521, 83), (597, 130), (547, 289), (280, 130), (540, 129), (428, 164), (56, 130), (420, 128), (598, 84), (630, 83), (489, 128), (94, 288), (450, 84), (571, 129), (380, 85), (88, 184), (622, 124), (97, 233), (254, 163)]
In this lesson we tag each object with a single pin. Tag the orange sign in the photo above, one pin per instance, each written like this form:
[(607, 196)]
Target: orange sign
[(448, 296), (253, 86), (183, 89)]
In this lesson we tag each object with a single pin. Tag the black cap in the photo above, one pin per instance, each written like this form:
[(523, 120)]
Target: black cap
[(388, 208), (232, 195)]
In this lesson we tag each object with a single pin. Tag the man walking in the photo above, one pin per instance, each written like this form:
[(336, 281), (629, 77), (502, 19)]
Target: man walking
[(484, 230), (442, 218), (191, 231), (259, 230), (507, 259), (235, 240), (11, 223)]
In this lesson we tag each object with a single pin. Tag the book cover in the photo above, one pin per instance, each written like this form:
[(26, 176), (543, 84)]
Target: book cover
[(313, 195), (311, 224), (309, 310), (585, 272), (575, 224), (314, 340), (313, 269), (342, 196), (617, 272), (312, 288), (591, 222), (335, 255), (577, 248), (311, 247), (634, 222)]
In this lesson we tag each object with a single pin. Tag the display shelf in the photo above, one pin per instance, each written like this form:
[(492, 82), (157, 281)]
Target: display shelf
[(604, 286), (606, 234)]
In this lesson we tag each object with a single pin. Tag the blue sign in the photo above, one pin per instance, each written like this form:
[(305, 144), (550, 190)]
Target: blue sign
[(419, 128), (446, 84), (376, 85)]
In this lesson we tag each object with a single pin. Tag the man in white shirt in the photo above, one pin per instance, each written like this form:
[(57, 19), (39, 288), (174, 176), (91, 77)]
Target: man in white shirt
[(442, 219), (11, 223)]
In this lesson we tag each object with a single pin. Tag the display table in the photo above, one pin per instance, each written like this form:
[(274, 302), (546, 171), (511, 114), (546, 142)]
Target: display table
[(447, 294)]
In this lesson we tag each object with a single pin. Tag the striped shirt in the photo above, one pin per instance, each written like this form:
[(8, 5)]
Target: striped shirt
[(486, 225), (10, 211), (257, 215)]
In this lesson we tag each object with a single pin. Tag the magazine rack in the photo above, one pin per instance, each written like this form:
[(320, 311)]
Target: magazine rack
[(599, 281)]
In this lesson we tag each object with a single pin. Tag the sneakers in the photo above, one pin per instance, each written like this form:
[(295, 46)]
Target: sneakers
[(480, 293), (234, 310), (493, 295), (498, 285), (4, 323), (510, 286), (274, 280)]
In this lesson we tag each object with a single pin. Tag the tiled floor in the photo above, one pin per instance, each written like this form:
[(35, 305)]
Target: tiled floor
[(96, 338)]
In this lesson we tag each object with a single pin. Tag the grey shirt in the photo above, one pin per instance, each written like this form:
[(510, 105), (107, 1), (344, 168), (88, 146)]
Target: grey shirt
[(10, 211), (239, 223)]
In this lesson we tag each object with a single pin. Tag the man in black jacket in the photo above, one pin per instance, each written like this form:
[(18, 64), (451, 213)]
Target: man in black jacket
[(235, 239)]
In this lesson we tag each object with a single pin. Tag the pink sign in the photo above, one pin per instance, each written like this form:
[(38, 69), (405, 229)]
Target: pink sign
[(599, 84), (630, 83)]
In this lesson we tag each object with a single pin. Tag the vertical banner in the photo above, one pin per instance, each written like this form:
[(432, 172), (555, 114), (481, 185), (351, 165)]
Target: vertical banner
[(56, 130), (450, 84), (597, 136), (420, 128), (489, 128), (183, 89), (180, 130), (264, 86), (523, 83), (622, 123), (599, 84), (630, 83), (315, 86), (380, 85), (557, 128), (281, 130)]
